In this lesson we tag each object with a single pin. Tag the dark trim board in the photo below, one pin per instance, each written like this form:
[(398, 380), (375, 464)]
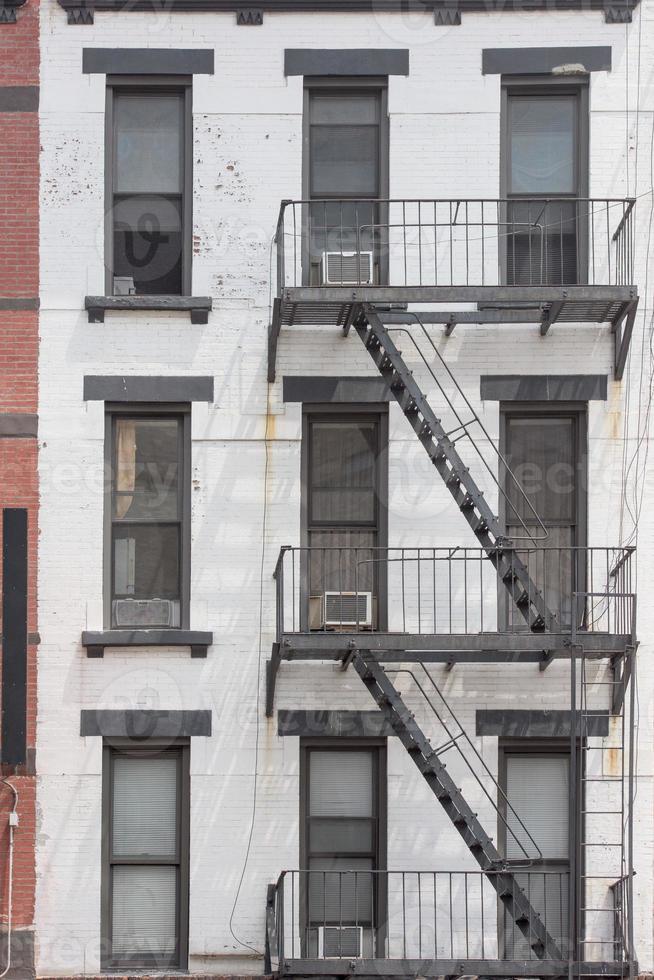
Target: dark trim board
[(19, 98), (145, 724), (346, 61), (14, 639), (148, 61), (304, 388), (15, 303), (333, 724), (138, 388), (507, 723), (18, 425), (543, 387), (542, 61)]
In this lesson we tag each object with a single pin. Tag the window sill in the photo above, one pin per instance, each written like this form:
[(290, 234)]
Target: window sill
[(96, 641), (198, 306)]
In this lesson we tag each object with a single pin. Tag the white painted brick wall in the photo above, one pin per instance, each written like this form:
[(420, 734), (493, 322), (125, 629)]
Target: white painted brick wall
[(444, 126)]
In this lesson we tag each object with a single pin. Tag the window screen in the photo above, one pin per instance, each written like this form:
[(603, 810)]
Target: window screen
[(144, 857), (543, 162), (148, 190), (146, 520), (341, 838)]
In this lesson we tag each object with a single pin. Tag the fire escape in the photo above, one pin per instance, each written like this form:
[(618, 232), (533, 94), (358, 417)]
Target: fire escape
[(515, 600)]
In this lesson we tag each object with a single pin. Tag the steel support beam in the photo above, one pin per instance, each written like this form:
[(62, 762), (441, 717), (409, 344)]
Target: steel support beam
[(274, 327), (622, 331), (509, 295), (364, 968), (272, 669), (462, 316)]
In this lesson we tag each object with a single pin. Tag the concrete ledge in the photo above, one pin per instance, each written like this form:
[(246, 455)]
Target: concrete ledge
[(346, 61), (198, 307), (147, 61), (340, 724), (536, 724), (144, 388), (542, 61), (96, 642), (543, 387), (305, 388)]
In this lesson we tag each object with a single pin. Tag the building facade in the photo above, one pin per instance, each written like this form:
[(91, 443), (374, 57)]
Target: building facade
[(343, 391), (19, 327)]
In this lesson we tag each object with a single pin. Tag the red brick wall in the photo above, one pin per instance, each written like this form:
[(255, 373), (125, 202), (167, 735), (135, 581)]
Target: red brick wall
[(19, 277)]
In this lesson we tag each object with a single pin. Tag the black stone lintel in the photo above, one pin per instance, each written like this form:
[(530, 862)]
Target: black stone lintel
[(335, 724), (198, 306), (96, 641), (516, 723), (446, 12), (144, 723)]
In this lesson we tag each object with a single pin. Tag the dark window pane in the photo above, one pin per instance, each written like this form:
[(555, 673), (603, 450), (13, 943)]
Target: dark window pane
[(341, 835), (344, 160), (343, 462), (340, 784), (343, 226), (148, 243), (146, 561), (143, 912), (362, 109), (541, 454), (343, 561), (148, 149), (339, 895), (144, 811), (146, 474), (541, 243), (542, 145)]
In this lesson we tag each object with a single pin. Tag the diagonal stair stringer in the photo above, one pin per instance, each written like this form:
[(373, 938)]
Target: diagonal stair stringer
[(458, 810), (442, 451)]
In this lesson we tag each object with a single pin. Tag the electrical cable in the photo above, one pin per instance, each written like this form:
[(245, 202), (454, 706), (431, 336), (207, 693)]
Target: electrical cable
[(255, 788)]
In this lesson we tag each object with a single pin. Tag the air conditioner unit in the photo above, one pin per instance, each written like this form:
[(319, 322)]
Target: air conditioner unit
[(124, 286), (348, 608), (145, 612), (347, 268), (338, 942)]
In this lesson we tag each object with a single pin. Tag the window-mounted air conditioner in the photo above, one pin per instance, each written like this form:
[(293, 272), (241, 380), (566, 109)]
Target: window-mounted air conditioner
[(346, 268), (348, 609), (338, 942), (145, 612), (124, 286)]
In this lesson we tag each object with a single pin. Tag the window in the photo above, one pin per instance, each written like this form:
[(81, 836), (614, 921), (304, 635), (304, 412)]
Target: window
[(145, 866), (546, 450), (343, 844), (536, 781), (346, 517), (148, 545), (545, 157), (149, 189), (345, 174)]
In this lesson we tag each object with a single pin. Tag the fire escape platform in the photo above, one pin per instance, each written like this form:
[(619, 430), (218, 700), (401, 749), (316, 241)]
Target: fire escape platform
[(369, 968), (451, 647)]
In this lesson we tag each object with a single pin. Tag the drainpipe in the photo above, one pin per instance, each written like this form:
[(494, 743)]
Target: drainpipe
[(13, 823)]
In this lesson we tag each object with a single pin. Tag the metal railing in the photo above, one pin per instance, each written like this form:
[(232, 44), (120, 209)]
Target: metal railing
[(420, 915), (456, 242), (448, 590)]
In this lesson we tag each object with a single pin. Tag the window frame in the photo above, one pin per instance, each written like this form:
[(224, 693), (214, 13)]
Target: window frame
[(578, 411), (343, 86), (151, 85), (508, 746), (379, 747), (124, 746), (181, 411), (344, 412), (547, 86)]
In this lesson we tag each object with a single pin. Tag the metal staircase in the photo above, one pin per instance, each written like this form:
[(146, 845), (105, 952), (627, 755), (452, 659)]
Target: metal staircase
[(443, 453), (449, 796)]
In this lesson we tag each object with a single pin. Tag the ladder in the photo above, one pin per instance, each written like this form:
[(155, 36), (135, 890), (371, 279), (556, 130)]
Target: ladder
[(458, 810), (603, 848), (441, 449)]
